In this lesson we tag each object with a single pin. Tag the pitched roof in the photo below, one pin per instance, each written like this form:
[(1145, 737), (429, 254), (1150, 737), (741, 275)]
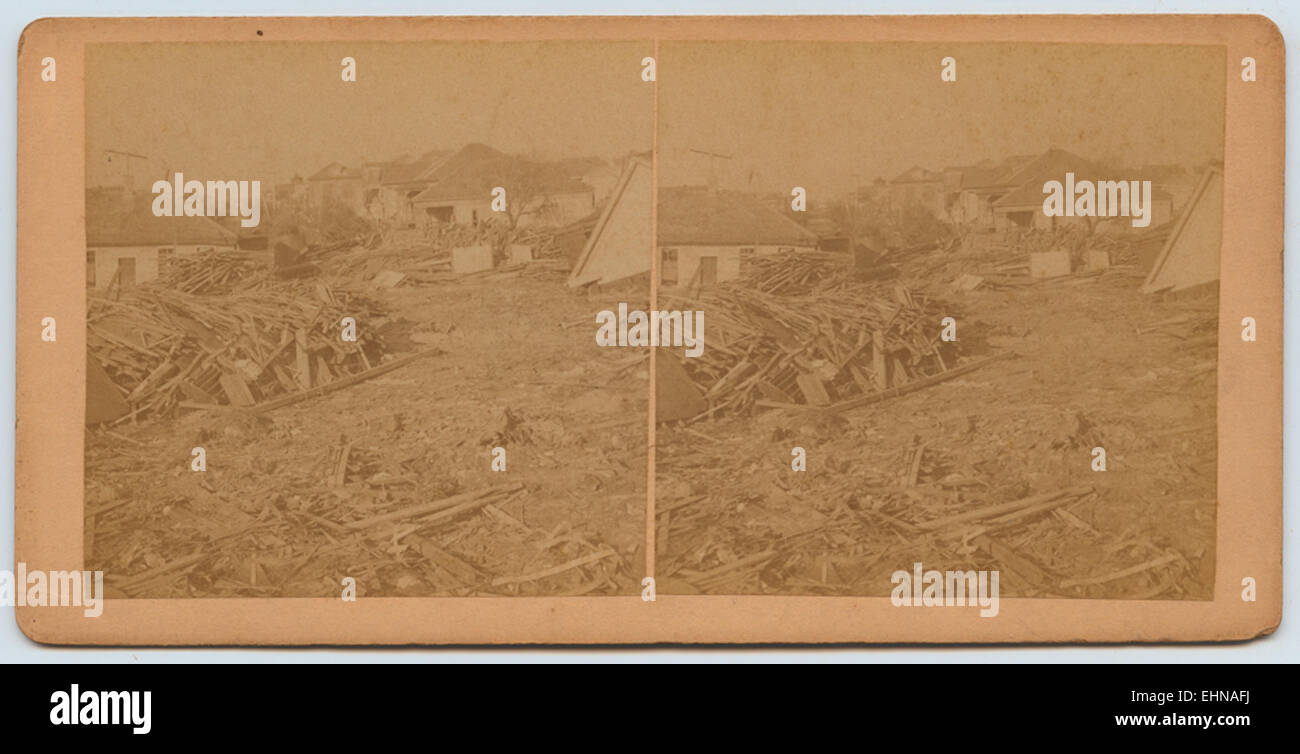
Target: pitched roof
[(1051, 165), (335, 170), (110, 222), (917, 174), (988, 174), (473, 171), (697, 215), (408, 170)]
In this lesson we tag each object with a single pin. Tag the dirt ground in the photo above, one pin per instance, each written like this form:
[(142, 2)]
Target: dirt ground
[(282, 506), (732, 517)]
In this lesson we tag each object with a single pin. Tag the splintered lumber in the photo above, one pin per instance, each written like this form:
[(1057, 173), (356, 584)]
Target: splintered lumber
[(474, 498), (161, 347), (867, 400), (708, 579), (216, 271), (1154, 563), (1001, 509), (915, 385), (576, 563), (236, 390), (879, 364), (1010, 559), (131, 582), (676, 397), (806, 328), (330, 387), (813, 390), (915, 472)]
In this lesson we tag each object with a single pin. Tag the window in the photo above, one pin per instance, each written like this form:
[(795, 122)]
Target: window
[(746, 259), (165, 258)]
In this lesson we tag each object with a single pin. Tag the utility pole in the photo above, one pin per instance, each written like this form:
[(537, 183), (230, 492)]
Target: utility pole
[(130, 182), (713, 158)]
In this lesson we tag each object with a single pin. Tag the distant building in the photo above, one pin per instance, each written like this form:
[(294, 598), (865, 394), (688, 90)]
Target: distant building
[(919, 187), (460, 190), (390, 190), (337, 185), (973, 189), (1022, 207), (442, 187)]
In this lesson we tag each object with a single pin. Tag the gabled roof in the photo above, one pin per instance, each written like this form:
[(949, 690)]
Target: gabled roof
[(458, 161), (1052, 165), (476, 169), (694, 215), (132, 223), (988, 174), (335, 171), (917, 174), (408, 170), (823, 226)]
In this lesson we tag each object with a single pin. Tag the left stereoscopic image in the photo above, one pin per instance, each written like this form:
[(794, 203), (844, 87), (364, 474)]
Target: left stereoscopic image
[(339, 302)]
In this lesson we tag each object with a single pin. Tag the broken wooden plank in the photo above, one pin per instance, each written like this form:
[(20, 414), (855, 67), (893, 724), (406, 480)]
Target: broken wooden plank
[(236, 390), (813, 390), (346, 381), (572, 564), (485, 495), (991, 511), (1091, 581)]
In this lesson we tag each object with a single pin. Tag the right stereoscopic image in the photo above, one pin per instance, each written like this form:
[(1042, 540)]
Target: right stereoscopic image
[(960, 310)]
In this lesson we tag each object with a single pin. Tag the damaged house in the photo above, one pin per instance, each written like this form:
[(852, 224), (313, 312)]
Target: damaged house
[(460, 189), (337, 185), (391, 187)]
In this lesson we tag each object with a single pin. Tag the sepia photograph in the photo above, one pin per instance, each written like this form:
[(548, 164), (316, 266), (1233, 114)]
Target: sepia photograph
[(614, 331), (338, 318), (961, 305)]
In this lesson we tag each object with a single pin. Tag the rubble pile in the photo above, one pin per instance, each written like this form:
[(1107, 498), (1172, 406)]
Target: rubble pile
[(167, 349), (210, 272), (997, 471), (800, 330)]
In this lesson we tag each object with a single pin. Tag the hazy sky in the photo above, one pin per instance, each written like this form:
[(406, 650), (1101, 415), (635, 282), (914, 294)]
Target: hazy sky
[(268, 110), (817, 114), (823, 115)]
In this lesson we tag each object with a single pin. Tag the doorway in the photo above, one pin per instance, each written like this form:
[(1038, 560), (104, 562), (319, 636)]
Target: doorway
[(708, 270)]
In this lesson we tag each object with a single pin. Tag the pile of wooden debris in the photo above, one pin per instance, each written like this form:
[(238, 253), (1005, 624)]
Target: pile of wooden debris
[(211, 272), (801, 329), (166, 349)]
